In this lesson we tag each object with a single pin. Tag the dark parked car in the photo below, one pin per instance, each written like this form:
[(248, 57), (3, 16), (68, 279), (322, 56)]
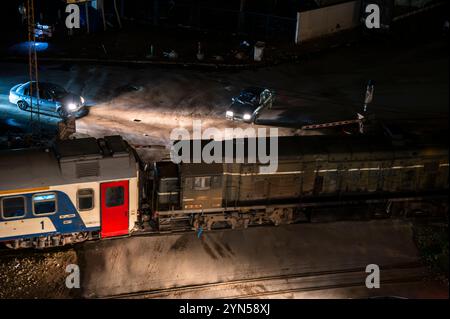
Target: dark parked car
[(52, 98), (249, 104)]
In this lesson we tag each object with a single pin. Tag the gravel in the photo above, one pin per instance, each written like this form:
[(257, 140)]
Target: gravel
[(36, 274)]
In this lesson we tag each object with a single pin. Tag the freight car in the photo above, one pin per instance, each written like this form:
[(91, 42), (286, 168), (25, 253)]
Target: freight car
[(99, 188)]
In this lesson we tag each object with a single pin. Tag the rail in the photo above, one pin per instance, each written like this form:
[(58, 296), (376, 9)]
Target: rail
[(283, 284)]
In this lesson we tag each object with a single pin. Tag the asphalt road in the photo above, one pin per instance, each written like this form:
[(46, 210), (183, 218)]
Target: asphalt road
[(411, 89)]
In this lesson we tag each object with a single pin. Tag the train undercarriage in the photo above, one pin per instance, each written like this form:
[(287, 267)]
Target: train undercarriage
[(58, 240), (431, 207)]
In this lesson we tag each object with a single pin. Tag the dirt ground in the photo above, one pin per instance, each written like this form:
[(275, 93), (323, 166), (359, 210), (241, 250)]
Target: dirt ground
[(36, 274)]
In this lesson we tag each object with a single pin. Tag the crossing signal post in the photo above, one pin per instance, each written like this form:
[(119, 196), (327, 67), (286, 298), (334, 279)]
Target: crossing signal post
[(361, 118)]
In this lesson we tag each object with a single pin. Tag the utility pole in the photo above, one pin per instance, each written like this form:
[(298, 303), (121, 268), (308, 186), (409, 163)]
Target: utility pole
[(33, 70)]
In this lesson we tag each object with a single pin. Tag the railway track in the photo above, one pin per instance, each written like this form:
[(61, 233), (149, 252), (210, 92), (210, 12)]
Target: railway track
[(279, 285)]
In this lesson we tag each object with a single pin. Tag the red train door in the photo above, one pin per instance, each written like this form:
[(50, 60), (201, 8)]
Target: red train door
[(114, 208)]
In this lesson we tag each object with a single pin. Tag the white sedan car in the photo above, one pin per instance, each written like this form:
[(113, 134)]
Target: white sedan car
[(52, 98)]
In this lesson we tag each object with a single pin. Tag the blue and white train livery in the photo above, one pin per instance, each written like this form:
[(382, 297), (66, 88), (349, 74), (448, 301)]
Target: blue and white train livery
[(78, 190)]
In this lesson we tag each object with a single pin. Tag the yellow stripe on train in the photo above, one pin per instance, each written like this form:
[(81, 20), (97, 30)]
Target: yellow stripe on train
[(24, 190)]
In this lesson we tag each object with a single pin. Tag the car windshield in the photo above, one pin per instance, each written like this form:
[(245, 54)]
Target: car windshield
[(248, 97), (56, 91)]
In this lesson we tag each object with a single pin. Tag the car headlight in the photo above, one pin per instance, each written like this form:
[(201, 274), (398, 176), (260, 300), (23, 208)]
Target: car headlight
[(82, 99), (230, 113), (247, 117), (71, 106)]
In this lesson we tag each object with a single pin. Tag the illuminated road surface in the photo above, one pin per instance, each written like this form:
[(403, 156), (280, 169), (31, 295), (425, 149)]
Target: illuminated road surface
[(411, 88)]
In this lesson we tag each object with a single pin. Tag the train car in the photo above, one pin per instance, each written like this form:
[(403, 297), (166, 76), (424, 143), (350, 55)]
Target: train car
[(315, 174), (99, 188), (80, 189)]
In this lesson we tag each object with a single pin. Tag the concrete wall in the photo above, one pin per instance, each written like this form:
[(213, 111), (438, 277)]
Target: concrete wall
[(324, 21)]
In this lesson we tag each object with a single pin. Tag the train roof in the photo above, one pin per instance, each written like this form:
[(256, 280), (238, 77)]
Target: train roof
[(331, 146), (68, 162)]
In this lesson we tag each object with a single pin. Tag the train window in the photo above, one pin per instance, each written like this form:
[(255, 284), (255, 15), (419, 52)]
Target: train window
[(114, 196), (203, 182), (44, 204), (85, 199), (13, 207)]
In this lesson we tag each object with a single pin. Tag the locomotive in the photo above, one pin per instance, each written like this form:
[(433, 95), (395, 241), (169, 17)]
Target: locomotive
[(88, 188)]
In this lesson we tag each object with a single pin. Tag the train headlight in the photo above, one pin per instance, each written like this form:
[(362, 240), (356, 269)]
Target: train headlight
[(247, 117), (230, 113)]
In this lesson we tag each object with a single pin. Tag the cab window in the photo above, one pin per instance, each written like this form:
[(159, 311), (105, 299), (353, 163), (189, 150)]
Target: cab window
[(85, 199), (44, 204), (13, 207), (201, 183)]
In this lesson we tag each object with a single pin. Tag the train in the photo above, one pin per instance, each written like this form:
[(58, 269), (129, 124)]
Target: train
[(95, 189)]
